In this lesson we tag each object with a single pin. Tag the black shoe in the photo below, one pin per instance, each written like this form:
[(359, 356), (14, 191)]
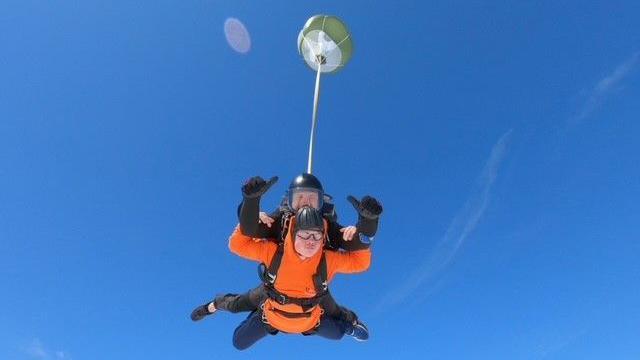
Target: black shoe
[(201, 311), (358, 331)]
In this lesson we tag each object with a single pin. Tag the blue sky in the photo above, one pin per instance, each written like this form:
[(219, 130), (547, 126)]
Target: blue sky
[(502, 138)]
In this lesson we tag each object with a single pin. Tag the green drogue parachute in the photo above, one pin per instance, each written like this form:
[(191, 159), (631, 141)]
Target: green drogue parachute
[(325, 43)]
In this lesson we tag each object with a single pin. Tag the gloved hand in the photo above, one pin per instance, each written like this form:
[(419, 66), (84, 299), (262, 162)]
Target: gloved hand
[(369, 207), (256, 186)]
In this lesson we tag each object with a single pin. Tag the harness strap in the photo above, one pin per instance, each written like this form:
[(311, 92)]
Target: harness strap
[(292, 315), (282, 299), (320, 278), (272, 272), (285, 221)]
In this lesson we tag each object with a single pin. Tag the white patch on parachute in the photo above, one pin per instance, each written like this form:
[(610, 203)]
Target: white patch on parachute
[(317, 44)]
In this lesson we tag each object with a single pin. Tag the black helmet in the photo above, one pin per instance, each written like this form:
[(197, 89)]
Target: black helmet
[(305, 183), (308, 218)]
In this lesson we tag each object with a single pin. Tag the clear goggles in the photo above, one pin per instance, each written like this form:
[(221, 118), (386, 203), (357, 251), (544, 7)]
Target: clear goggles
[(309, 235), (300, 197)]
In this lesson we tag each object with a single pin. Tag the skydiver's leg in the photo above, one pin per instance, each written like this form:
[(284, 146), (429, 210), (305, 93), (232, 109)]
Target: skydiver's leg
[(332, 328), (345, 318), (234, 303), (249, 301), (335, 329), (249, 331), (332, 309)]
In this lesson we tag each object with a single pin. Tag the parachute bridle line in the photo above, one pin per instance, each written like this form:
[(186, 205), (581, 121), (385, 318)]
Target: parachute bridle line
[(316, 98), (314, 119)]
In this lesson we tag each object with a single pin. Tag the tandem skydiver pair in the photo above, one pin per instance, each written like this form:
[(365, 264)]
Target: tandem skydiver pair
[(300, 247)]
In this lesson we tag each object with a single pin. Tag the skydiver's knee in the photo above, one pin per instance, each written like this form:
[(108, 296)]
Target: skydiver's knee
[(241, 340), (240, 344), (336, 334)]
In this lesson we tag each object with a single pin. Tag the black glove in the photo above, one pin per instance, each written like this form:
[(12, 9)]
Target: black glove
[(369, 207), (256, 186)]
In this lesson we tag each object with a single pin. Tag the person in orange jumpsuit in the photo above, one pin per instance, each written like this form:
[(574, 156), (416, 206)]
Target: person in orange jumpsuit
[(306, 190), (291, 302)]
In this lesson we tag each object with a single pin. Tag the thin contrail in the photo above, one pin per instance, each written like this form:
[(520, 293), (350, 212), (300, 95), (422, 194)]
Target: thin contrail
[(461, 226), (598, 94)]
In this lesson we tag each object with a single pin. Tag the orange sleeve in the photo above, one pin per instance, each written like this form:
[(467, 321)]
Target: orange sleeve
[(252, 249), (347, 262)]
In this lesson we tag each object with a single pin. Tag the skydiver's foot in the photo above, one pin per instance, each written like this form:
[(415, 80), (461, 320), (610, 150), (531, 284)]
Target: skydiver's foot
[(358, 330), (203, 310)]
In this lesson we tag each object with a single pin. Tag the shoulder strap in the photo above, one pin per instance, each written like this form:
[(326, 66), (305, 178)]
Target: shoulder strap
[(285, 221), (320, 278), (272, 272)]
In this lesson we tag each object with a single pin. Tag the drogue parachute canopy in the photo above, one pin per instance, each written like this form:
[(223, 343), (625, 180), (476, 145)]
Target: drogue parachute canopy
[(325, 42)]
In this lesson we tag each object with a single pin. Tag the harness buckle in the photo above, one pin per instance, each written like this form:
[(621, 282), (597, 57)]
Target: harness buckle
[(281, 299)]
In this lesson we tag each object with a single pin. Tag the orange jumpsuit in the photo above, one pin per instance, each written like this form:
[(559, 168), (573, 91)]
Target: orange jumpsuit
[(295, 276)]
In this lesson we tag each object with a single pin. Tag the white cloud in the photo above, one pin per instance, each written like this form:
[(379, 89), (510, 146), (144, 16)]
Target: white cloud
[(461, 226), (36, 350), (599, 93)]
